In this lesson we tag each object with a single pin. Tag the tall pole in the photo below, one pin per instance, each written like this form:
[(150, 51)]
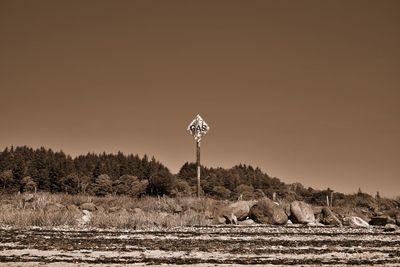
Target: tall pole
[(198, 127), (198, 166)]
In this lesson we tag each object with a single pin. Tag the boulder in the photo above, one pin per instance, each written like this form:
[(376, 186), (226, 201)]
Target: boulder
[(268, 212), (224, 218), (355, 222), (233, 219), (87, 212), (241, 209), (286, 208), (88, 206), (219, 220), (317, 213), (390, 227), (301, 212), (328, 218), (234, 212), (247, 222), (86, 218), (382, 220), (315, 224)]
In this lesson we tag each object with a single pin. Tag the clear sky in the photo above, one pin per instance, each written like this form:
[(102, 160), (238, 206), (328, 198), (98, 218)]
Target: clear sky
[(309, 91)]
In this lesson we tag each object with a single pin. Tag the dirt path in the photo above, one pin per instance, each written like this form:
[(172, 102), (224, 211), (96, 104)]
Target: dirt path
[(201, 246)]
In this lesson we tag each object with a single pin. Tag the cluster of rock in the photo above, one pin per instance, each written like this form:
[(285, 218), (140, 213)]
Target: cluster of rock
[(263, 211), (266, 211)]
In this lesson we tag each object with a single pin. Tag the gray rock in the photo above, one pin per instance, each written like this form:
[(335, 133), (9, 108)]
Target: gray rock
[(355, 222), (247, 222), (328, 218), (268, 212), (219, 220), (88, 206), (286, 208), (241, 209), (390, 227), (86, 212), (86, 218), (382, 220), (234, 212), (301, 212), (315, 224)]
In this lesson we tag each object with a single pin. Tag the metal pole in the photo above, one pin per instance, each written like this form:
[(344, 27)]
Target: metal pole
[(198, 167)]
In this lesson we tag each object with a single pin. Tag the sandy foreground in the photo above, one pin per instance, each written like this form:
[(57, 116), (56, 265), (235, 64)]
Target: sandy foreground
[(200, 246)]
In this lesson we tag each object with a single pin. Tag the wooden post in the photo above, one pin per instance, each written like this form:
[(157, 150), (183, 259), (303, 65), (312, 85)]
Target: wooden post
[(198, 167), (327, 200), (198, 127)]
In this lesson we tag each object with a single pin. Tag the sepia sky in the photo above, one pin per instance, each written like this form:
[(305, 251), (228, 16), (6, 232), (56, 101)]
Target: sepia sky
[(309, 91)]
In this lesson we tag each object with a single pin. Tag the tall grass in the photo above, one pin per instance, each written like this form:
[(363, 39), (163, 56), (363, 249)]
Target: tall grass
[(112, 211)]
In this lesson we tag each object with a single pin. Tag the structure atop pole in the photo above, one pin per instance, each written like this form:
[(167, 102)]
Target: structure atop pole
[(198, 127)]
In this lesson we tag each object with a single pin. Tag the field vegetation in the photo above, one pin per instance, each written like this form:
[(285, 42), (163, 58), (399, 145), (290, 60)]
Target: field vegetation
[(131, 191), (46, 209)]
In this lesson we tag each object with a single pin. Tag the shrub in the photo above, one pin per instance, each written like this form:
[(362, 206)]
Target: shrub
[(103, 185), (28, 184), (130, 185), (221, 192), (244, 191)]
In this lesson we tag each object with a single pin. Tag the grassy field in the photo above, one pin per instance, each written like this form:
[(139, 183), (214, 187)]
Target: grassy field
[(49, 229), (108, 212)]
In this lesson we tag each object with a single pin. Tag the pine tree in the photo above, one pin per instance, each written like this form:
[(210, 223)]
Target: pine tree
[(6, 178), (18, 171)]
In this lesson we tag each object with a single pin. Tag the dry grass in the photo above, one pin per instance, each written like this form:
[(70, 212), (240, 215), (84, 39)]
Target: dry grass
[(145, 220), (113, 211), (30, 217)]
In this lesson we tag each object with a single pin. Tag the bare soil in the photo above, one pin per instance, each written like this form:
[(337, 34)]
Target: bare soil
[(200, 246)]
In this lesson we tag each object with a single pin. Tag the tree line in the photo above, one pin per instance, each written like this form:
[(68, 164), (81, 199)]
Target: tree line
[(24, 169)]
